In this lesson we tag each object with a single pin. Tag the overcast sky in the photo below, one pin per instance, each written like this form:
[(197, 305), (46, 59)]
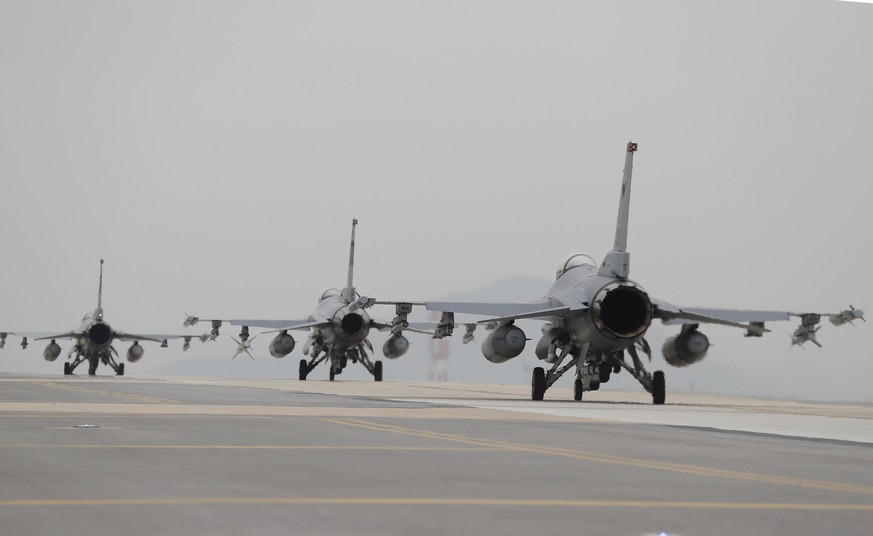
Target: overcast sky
[(214, 154)]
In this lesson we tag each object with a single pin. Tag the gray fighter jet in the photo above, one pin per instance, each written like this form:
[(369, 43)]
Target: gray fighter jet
[(339, 327), (93, 341), (596, 317)]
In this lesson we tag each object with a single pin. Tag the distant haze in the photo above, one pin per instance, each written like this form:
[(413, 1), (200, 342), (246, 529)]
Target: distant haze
[(215, 153)]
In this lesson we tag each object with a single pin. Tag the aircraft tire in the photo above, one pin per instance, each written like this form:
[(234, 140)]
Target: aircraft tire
[(377, 371), (92, 367), (303, 370), (577, 390), (67, 370), (120, 371), (332, 373), (605, 372), (538, 384), (659, 388)]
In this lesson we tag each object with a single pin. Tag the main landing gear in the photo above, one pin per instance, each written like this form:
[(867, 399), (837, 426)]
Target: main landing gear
[(93, 362), (339, 361), (597, 368)]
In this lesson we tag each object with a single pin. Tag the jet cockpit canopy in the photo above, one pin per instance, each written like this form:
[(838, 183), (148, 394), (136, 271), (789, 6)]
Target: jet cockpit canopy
[(574, 260), (329, 293)]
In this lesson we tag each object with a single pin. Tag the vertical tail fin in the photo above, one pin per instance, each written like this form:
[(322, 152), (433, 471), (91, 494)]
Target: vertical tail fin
[(99, 311), (349, 291), (617, 262)]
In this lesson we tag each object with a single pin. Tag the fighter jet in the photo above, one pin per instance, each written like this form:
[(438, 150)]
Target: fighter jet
[(596, 317), (339, 327), (93, 341)]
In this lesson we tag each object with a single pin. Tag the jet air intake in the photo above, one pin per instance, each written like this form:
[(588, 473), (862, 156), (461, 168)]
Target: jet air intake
[(684, 349), (99, 333), (351, 327), (621, 310)]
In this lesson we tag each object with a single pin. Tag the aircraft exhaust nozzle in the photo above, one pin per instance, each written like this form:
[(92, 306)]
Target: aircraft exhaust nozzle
[(135, 352), (52, 351), (282, 345), (685, 349), (100, 333), (504, 343), (395, 346), (622, 310), (351, 327)]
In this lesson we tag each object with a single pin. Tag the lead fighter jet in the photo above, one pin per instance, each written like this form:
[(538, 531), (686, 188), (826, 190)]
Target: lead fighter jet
[(93, 341), (339, 329), (596, 316)]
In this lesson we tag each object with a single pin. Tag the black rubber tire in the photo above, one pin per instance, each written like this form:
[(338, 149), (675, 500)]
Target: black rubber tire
[(538, 384), (605, 371), (659, 388), (577, 390), (67, 370), (303, 371), (120, 371), (332, 373), (377, 371), (92, 367)]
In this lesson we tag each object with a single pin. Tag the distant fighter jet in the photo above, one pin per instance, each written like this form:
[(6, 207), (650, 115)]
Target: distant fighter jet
[(339, 328), (595, 315), (93, 341)]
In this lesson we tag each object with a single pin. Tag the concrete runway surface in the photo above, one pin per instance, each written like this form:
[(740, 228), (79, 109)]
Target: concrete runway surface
[(120, 455)]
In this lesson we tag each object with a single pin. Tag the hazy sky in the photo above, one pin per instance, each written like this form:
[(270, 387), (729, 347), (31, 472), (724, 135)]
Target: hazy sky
[(214, 154)]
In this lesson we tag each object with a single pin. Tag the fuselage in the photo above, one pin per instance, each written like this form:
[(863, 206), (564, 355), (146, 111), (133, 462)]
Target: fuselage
[(94, 335), (345, 328), (613, 312)]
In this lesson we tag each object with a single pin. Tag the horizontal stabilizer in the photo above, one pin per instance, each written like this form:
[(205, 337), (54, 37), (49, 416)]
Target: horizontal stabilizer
[(499, 309), (307, 325), (542, 314), (273, 324), (670, 314), (43, 336)]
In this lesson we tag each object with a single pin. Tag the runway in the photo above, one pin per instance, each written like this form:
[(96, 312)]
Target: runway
[(192, 456)]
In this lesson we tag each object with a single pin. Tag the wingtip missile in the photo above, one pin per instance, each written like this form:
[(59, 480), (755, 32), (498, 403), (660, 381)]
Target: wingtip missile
[(847, 316)]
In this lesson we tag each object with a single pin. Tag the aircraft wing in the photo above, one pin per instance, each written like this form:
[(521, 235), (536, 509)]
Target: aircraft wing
[(670, 314)]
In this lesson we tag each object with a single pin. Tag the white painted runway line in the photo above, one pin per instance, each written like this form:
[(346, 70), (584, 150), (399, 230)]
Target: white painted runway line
[(760, 421)]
